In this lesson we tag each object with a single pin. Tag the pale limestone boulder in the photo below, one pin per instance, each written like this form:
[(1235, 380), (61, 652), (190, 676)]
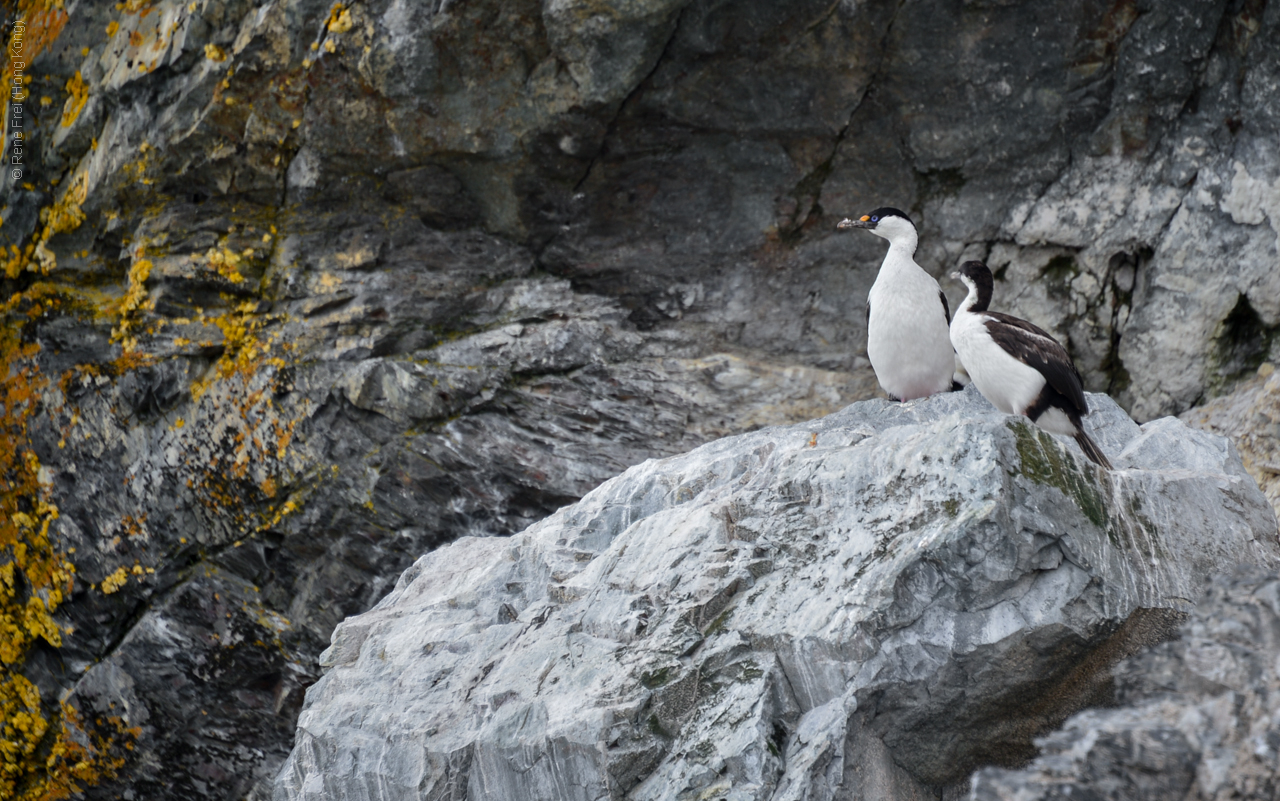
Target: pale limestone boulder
[(869, 605)]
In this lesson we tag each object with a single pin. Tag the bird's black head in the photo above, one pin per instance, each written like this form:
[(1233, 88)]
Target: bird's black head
[(873, 220), (974, 270), (977, 277)]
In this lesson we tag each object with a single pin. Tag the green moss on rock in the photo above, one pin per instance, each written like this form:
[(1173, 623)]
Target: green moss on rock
[(1045, 462), (655, 678)]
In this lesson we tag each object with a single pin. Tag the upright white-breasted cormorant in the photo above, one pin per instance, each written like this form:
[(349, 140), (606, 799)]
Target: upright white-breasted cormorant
[(1018, 367), (907, 314)]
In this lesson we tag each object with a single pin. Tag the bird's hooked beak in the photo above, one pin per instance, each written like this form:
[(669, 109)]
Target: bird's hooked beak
[(862, 222)]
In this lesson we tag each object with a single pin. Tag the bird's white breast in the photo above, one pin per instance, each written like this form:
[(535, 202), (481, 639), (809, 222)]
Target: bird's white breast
[(1010, 385), (907, 339)]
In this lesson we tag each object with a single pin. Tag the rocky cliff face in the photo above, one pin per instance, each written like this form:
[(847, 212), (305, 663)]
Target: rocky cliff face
[(1196, 718), (297, 291), (864, 606)]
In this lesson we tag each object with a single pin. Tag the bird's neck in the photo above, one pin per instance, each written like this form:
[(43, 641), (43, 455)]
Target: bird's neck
[(904, 242), (900, 259), (978, 299)]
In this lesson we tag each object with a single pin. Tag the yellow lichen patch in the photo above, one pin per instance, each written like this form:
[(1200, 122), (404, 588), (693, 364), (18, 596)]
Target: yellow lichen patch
[(339, 19), (137, 170), (36, 764), (136, 297), (35, 576), (77, 96), (66, 214), (225, 263), (135, 300), (24, 726), (63, 216), (214, 53), (112, 27), (244, 352), (240, 475), (112, 583), (82, 755), (16, 260)]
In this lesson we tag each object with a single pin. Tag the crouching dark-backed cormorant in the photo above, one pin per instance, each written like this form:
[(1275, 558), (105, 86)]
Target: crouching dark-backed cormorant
[(1018, 367)]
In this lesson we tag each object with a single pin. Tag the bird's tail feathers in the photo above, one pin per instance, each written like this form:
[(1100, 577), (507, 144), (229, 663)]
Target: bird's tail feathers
[(1092, 450)]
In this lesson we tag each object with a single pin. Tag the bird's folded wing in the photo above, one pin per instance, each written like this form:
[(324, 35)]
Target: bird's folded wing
[(1036, 348)]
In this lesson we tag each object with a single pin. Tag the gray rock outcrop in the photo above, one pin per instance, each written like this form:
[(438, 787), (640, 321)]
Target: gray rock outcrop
[(1198, 718), (1250, 416), (869, 605)]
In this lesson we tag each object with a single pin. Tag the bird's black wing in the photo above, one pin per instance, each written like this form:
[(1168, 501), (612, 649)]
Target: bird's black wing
[(1036, 348), (868, 314), (946, 307)]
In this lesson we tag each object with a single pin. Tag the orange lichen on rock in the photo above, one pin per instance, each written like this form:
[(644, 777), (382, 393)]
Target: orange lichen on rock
[(240, 474), (45, 19), (83, 755), (40, 759), (35, 578), (244, 351)]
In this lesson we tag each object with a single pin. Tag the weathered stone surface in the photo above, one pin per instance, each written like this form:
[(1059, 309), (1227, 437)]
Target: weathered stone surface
[(344, 284), (867, 605), (290, 498), (1198, 718), (1250, 416)]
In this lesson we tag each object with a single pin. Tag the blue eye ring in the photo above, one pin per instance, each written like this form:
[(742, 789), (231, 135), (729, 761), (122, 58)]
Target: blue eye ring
[(875, 219)]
